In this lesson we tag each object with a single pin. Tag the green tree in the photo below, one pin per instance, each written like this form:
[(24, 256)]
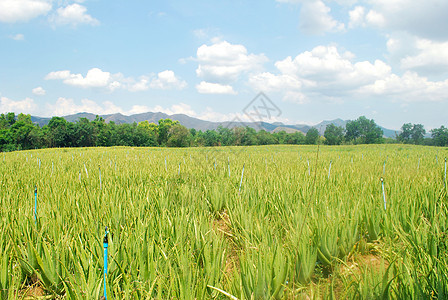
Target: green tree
[(57, 132), (281, 137), (163, 130), (440, 136), (249, 137), (265, 138), (406, 133), (82, 135), (363, 131), (20, 131), (312, 136), (226, 136), (179, 136), (296, 138), (412, 133), (333, 135), (150, 130), (418, 134), (211, 138)]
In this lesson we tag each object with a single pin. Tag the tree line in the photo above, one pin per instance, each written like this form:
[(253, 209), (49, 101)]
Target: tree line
[(19, 133)]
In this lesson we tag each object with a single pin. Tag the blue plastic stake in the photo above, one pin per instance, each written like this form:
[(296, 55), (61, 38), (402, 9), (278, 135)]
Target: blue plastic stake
[(35, 204), (105, 245), (384, 194), (329, 170)]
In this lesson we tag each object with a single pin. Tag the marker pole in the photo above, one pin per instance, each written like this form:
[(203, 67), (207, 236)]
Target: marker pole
[(35, 204), (105, 245), (384, 194), (241, 181)]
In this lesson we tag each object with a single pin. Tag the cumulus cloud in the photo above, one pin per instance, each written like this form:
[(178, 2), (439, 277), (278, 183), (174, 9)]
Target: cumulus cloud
[(424, 56), (269, 82), (214, 88), (357, 17), (326, 68), (425, 19), (329, 74), (315, 18), (408, 88), (39, 91), (431, 57), (97, 78), (26, 105), (167, 80), (223, 62), (73, 14), (12, 11)]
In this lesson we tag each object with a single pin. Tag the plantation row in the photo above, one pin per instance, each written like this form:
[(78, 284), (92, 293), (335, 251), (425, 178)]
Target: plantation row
[(190, 223)]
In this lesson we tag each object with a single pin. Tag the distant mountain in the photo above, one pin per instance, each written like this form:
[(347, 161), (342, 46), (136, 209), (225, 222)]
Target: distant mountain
[(199, 124)]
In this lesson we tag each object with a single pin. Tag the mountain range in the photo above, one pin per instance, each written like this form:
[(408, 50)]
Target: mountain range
[(198, 124)]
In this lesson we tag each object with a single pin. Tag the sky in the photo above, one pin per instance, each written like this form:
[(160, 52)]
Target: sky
[(314, 60)]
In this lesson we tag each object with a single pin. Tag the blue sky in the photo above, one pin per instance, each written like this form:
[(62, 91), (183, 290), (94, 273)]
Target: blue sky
[(315, 59)]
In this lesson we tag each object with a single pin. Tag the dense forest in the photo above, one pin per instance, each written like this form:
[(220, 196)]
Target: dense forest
[(19, 133)]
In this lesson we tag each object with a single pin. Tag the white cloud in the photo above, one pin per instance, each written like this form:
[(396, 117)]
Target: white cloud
[(376, 19), (214, 88), (408, 88), (269, 82), (18, 37), (12, 11), (73, 14), (315, 18), (357, 17), (139, 86), (65, 106), (426, 19), (96, 78), (26, 106), (326, 68), (426, 57), (180, 108), (167, 80), (39, 91), (326, 74), (431, 57), (223, 62)]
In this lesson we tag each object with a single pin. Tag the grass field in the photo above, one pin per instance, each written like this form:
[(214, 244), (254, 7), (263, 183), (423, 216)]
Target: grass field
[(185, 223)]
